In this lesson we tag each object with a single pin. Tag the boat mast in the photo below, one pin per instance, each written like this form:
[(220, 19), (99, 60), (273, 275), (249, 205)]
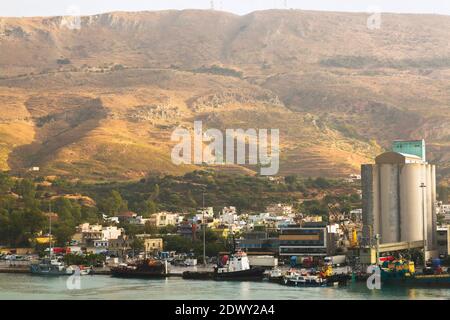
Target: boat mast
[(204, 230), (50, 229)]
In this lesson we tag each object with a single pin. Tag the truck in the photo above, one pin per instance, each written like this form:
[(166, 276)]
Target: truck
[(335, 260), (263, 261)]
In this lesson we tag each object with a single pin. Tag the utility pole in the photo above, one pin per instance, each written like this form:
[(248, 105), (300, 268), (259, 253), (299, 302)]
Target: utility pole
[(424, 221), (377, 238), (204, 229), (50, 236)]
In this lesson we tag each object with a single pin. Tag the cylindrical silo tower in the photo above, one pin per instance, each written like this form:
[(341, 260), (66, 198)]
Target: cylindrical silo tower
[(389, 201), (411, 202)]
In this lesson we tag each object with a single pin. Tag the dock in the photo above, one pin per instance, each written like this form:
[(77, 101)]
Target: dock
[(14, 270)]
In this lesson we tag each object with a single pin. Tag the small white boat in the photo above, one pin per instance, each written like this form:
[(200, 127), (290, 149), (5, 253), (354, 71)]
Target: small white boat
[(275, 275), (302, 279), (81, 270)]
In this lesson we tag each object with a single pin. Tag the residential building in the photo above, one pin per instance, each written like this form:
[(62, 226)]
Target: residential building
[(139, 220), (163, 219), (151, 245), (126, 216), (120, 246), (279, 209), (188, 229), (229, 215)]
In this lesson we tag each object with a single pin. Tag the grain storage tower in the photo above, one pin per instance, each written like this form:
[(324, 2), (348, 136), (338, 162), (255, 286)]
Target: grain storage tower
[(399, 196)]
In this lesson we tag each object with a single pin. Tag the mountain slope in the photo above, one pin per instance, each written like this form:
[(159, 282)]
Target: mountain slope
[(101, 102)]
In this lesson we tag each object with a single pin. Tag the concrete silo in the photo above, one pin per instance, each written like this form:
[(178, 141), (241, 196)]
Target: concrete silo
[(411, 205), (394, 204), (370, 202), (389, 202)]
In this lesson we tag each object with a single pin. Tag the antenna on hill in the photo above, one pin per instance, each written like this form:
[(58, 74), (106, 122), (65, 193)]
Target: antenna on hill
[(212, 5), (285, 4)]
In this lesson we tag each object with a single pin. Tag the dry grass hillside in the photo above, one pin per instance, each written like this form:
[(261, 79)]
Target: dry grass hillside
[(101, 102)]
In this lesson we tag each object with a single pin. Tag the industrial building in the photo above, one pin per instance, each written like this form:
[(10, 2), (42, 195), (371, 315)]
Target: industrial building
[(443, 241), (399, 196), (312, 239), (259, 241)]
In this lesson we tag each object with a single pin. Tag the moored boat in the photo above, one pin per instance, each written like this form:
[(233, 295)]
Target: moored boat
[(49, 267), (275, 275), (302, 279), (402, 273), (237, 267), (147, 268)]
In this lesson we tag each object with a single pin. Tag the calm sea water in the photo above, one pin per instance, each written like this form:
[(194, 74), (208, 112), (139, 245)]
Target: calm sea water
[(22, 286)]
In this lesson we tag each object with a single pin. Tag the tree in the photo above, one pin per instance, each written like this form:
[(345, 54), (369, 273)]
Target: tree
[(63, 233), (443, 193), (150, 228), (137, 244), (113, 204), (147, 208), (27, 190), (25, 224), (155, 192), (6, 183), (4, 226)]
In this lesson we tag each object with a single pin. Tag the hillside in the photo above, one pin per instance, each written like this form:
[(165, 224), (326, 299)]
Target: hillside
[(101, 102)]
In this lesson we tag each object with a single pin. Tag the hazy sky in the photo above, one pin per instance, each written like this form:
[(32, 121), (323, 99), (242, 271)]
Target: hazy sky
[(86, 7)]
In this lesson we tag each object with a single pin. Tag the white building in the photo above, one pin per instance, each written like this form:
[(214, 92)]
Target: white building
[(139, 220), (164, 219), (111, 233), (229, 215), (279, 209)]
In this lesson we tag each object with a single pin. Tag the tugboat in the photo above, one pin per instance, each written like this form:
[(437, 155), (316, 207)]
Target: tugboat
[(237, 267), (147, 268)]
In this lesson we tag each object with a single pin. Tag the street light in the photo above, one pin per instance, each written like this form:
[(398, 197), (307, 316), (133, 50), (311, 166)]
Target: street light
[(423, 186), (204, 229)]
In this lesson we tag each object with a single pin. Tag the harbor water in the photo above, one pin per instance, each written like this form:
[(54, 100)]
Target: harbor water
[(25, 286)]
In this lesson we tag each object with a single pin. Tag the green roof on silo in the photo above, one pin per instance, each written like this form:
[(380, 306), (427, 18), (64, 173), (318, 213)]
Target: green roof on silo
[(412, 147)]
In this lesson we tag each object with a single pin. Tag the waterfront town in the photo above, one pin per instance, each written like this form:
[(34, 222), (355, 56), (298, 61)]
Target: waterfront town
[(399, 225)]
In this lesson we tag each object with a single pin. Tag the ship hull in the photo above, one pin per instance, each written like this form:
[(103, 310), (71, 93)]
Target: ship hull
[(255, 274), (137, 274), (427, 281), (189, 275), (297, 283), (36, 270)]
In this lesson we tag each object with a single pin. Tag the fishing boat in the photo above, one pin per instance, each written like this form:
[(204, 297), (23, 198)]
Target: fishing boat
[(147, 268), (50, 267), (303, 278), (274, 275)]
